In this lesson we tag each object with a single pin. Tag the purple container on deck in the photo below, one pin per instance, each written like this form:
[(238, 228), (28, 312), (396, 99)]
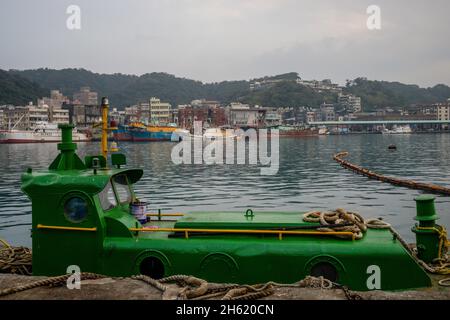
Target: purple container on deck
[(139, 211)]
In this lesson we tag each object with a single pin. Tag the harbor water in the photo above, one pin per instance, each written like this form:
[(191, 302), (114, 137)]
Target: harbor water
[(308, 179)]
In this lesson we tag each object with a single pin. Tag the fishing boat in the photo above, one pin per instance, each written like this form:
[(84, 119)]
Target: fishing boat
[(41, 132), (139, 132), (87, 213)]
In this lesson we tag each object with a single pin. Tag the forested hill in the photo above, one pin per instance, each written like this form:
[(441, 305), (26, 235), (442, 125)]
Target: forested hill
[(382, 94), (17, 90), (19, 87)]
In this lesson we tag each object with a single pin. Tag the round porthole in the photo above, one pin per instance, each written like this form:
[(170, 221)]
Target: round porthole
[(326, 270), (152, 267), (76, 209)]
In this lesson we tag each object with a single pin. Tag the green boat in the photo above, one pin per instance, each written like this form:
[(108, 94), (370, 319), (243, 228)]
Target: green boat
[(81, 216)]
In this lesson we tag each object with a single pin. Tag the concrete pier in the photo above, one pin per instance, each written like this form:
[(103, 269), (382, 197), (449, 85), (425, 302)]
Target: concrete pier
[(130, 289)]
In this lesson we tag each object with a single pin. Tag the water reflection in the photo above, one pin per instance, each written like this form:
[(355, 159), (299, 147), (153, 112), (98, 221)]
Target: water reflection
[(307, 179)]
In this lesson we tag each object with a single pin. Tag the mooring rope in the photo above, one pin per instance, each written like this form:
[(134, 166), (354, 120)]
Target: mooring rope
[(351, 221), (395, 181), (53, 281), (15, 259)]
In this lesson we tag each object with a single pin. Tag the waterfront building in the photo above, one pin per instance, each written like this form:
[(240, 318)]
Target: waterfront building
[(83, 115), (241, 115), (143, 112), (327, 112), (54, 102), (24, 117), (210, 113), (60, 116), (36, 114), (443, 111), (350, 102), (2, 119), (117, 115), (132, 114), (160, 112), (272, 118), (85, 97), (16, 116)]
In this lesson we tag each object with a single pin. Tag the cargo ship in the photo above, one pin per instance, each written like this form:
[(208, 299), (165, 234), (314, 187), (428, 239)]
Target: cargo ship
[(41, 132), (139, 132)]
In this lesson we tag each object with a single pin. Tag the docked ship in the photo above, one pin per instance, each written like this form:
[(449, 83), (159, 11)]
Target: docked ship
[(398, 130), (295, 131), (41, 132), (138, 132)]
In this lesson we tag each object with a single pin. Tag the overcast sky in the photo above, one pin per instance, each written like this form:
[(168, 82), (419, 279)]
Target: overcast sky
[(214, 40)]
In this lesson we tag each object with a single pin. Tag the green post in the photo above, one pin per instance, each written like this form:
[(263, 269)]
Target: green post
[(67, 159), (427, 237)]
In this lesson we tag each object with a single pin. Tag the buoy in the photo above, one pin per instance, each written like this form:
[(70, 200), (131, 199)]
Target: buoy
[(392, 147)]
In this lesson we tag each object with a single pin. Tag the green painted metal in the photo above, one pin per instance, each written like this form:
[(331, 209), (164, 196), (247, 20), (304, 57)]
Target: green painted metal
[(427, 240), (70, 195)]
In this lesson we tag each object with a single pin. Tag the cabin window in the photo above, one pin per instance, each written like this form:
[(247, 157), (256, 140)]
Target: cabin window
[(123, 189), (107, 198), (76, 209)]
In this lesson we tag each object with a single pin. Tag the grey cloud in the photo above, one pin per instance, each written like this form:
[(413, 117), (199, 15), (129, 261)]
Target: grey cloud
[(213, 40)]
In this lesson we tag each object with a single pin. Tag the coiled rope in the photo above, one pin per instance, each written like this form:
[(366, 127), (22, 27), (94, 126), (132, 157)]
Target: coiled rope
[(15, 259), (350, 221)]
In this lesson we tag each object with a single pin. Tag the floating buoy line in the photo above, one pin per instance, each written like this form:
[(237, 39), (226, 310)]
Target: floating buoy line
[(433, 188)]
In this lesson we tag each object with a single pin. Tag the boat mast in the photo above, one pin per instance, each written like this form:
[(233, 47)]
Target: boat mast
[(105, 106)]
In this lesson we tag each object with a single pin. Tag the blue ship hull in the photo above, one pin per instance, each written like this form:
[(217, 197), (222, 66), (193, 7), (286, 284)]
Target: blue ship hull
[(138, 134)]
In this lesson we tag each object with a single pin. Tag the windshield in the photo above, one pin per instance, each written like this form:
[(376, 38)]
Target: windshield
[(123, 189), (107, 197)]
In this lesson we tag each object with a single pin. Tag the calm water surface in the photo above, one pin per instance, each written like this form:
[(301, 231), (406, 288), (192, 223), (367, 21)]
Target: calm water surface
[(307, 179)]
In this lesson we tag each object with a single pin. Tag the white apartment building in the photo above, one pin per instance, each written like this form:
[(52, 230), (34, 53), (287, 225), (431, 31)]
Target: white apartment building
[(160, 112), (443, 112), (37, 114), (60, 116), (351, 102)]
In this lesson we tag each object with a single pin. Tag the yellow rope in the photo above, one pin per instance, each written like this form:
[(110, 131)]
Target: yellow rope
[(444, 267), (5, 243)]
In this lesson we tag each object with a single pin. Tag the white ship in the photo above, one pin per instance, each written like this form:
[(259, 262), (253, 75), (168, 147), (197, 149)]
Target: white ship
[(41, 132), (398, 130), (208, 135)]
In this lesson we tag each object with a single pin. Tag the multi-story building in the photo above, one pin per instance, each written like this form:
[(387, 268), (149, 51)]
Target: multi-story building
[(2, 119), (241, 115), (24, 117), (117, 115), (350, 102), (37, 114), (311, 116), (83, 115), (60, 116), (85, 96), (272, 118), (54, 102), (160, 112), (324, 85), (443, 111), (327, 112), (132, 114), (188, 114)]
